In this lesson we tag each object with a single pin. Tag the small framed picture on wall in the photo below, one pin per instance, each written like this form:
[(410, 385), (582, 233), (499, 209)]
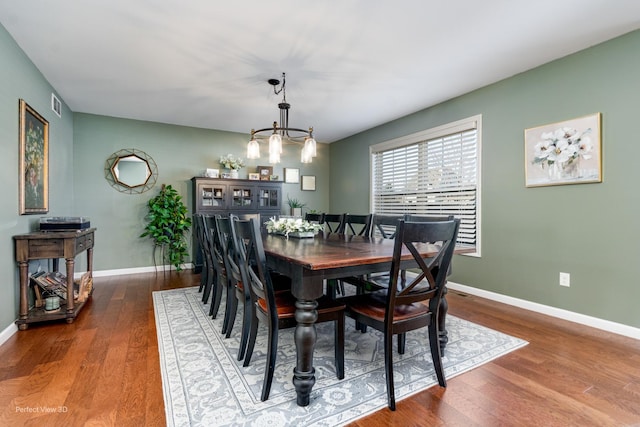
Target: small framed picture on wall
[(309, 182), (291, 175)]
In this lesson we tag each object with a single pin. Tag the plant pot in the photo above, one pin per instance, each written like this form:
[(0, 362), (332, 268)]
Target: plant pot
[(233, 173), (297, 212)]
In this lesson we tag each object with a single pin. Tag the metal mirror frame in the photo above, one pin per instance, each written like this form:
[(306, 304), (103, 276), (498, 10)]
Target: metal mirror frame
[(124, 188)]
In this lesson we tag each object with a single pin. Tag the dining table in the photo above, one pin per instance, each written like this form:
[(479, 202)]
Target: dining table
[(311, 261)]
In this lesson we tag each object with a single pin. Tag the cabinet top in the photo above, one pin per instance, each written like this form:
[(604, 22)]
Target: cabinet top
[(253, 181), (53, 234)]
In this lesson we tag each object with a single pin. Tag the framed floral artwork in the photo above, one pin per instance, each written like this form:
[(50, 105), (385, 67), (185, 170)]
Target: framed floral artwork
[(34, 161), (568, 152)]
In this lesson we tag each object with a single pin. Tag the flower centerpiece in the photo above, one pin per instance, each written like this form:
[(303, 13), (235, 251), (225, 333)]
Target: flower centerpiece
[(561, 151), (232, 163), (294, 227)]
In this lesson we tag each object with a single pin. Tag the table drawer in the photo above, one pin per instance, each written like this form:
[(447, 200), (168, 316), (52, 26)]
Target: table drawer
[(46, 248)]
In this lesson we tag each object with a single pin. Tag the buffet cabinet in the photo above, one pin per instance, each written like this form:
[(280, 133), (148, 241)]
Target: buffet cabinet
[(213, 196)]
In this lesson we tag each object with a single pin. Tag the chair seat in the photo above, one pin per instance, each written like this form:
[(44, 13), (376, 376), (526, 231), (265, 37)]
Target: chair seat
[(286, 305), (374, 305)]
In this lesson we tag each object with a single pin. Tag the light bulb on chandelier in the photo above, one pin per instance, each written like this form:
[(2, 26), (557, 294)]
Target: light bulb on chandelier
[(283, 133)]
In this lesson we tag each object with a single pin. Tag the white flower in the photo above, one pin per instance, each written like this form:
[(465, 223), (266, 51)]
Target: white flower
[(291, 225), (230, 162), (563, 146)]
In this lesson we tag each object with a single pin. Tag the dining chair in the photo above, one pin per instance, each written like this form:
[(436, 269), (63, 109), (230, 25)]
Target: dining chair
[(357, 225), (317, 218), (385, 225), (354, 225), (223, 235), (196, 220), (400, 308), (219, 233), (276, 310), (203, 229), (334, 223)]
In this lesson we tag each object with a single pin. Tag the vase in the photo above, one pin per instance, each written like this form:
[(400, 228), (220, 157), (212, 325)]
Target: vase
[(233, 173), (566, 170)]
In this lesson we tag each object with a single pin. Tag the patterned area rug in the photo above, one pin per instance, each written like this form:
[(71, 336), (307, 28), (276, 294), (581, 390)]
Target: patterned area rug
[(204, 384)]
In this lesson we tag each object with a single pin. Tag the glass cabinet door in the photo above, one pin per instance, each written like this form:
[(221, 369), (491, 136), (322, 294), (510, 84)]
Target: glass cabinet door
[(269, 198), (212, 196), (242, 197)]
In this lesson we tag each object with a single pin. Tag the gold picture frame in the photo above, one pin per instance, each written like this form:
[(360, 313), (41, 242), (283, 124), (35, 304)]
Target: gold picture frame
[(34, 161), (567, 152)]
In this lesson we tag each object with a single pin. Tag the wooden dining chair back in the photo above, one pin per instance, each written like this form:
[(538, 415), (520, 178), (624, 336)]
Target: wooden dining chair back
[(401, 308), (277, 309), (219, 245), (203, 227), (357, 225), (198, 232), (385, 226), (427, 218), (238, 293), (225, 254), (217, 270), (317, 218), (334, 223)]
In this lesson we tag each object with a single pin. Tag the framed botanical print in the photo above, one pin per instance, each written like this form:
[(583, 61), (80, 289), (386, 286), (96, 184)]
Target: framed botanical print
[(34, 161)]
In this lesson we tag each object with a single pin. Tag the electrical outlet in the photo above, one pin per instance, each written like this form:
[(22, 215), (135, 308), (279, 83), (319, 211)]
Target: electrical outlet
[(565, 279)]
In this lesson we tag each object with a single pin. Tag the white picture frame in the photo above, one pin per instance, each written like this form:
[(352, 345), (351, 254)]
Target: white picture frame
[(308, 182)]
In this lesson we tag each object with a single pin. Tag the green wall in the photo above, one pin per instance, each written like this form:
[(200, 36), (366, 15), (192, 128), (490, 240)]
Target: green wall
[(180, 153), (529, 235), (19, 78)]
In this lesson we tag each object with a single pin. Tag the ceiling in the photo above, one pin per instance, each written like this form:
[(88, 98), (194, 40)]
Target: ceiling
[(350, 65)]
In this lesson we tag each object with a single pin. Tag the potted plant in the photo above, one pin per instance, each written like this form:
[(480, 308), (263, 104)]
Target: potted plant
[(167, 225), (296, 206)]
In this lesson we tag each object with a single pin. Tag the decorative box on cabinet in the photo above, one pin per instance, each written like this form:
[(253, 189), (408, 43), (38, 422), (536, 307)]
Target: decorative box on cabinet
[(213, 196)]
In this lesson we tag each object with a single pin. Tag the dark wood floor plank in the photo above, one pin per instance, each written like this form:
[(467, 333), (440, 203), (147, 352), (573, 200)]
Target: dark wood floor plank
[(103, 370)]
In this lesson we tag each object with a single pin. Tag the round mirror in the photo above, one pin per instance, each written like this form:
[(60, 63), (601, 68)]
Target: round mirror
[(131, 171)]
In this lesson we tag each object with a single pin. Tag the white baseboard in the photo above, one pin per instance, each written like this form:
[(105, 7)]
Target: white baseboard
[(136, 270), (594, 322), (8, 332)]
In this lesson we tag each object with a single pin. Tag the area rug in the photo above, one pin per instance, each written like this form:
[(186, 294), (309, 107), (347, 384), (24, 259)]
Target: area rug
[(204, 384)]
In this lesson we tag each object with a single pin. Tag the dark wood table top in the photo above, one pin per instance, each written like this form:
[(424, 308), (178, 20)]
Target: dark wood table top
[(331, 251)]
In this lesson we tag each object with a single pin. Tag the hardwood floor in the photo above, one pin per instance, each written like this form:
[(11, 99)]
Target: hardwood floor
[(103, 369)]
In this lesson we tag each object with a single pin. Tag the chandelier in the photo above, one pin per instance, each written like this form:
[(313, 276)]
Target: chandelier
[(278, 135)]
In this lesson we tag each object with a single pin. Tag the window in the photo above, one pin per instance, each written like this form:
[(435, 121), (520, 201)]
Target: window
[(433, 172)]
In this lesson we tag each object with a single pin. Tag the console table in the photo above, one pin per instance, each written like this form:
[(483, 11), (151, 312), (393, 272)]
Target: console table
[(51, 245)]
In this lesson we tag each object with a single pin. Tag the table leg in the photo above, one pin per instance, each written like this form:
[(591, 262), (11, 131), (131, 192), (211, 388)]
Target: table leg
[(442, 317), (305, 338), (23, 266), (70, 262)]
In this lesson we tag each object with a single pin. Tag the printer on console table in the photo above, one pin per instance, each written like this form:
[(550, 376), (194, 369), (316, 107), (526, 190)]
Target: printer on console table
[(58, 238)]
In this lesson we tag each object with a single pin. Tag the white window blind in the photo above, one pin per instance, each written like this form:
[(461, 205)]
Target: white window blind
[(435, 172)]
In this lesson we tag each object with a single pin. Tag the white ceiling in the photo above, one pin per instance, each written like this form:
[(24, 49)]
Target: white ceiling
[(350, 64)]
